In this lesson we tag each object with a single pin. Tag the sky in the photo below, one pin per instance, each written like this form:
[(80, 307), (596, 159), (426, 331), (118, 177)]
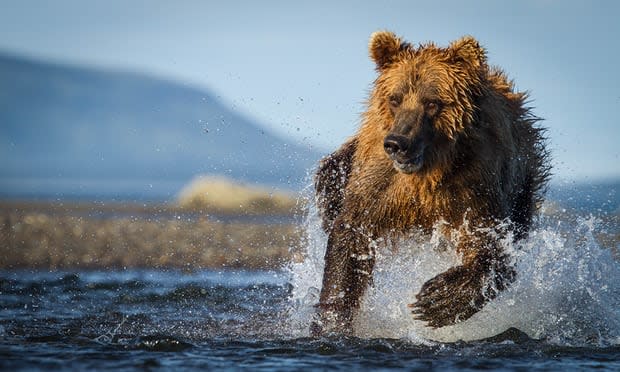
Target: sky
[(302, 68)]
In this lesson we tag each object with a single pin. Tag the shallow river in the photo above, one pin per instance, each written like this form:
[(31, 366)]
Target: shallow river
[(562, 313), (156, 319)]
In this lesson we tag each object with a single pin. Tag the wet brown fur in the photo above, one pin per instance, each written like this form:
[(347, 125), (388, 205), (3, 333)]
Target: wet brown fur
[(485, 163)]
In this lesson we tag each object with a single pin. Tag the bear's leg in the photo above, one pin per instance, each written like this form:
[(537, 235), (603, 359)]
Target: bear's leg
[(349, 262), (460, 292), (330, 182)]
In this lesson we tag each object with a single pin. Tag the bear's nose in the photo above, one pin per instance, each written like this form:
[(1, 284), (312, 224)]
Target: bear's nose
[(394, 143)]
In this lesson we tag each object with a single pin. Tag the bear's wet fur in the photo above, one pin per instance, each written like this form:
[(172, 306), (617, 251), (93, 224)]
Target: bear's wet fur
[(444, 138)]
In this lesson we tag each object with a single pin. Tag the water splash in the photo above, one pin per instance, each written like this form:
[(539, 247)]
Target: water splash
[(567, 290)]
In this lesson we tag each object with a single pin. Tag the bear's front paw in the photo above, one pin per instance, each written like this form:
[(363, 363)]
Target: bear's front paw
[(452, 296)]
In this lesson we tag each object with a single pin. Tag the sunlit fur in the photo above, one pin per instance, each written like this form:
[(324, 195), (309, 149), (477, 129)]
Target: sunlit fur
[(486, 163)]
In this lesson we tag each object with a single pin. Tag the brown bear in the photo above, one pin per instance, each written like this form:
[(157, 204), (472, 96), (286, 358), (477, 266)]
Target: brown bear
[(445, 138)]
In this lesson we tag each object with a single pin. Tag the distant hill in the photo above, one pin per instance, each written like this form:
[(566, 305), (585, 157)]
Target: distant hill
[(71, 131)]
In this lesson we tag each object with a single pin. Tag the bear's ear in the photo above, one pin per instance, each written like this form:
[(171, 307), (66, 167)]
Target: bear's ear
[(384, 47), (468, 50)]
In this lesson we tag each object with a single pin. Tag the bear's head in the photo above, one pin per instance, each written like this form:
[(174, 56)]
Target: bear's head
[(424, 98)]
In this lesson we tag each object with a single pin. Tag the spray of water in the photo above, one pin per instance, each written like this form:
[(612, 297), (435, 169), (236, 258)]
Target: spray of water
[(567, 289)]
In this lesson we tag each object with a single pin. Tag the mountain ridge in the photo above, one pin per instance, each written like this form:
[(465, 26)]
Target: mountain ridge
[(64, 122)]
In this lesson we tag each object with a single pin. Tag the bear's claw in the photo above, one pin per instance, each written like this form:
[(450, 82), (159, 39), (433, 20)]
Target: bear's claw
[(452, 296)]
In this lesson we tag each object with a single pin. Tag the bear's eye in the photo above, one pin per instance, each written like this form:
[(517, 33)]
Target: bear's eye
[(431, 107), (394, 101)]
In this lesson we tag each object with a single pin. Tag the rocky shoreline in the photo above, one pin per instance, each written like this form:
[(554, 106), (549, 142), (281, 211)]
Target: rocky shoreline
[(58, 235), (61, 235)]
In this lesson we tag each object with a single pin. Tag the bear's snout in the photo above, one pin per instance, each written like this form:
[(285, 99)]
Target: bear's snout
[(407, 156), (395, 143)]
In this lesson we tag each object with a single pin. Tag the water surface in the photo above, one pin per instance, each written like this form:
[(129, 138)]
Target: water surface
[(150, 319)]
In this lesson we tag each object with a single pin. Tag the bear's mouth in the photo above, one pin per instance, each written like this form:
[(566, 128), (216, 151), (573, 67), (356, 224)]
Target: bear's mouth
[(410, 165), (408, 162)]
